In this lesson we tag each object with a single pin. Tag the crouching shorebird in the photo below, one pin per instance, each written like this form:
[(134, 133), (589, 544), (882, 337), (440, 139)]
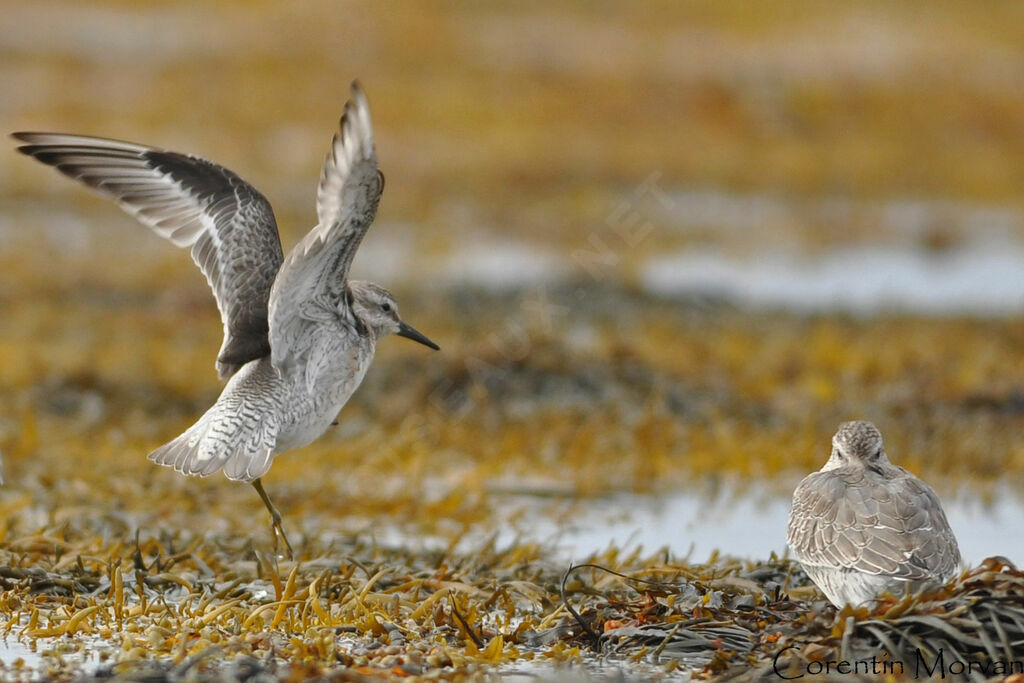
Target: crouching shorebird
[(298, 335), (862, 526)]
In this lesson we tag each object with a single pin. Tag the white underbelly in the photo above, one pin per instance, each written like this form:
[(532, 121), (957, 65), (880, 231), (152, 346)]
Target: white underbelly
[(314, 414)]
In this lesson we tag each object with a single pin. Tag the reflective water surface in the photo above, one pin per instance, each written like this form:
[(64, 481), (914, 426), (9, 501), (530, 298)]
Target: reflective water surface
[(748, 526)]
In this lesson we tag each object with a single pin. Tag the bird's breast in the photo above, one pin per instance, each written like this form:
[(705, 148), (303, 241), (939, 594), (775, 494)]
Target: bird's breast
[(321, 388)]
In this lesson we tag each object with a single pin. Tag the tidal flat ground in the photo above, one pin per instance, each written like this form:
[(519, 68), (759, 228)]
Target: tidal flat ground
[(665, 251)]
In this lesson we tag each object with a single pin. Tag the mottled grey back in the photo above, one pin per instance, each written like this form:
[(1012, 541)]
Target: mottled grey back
[(870, 517)]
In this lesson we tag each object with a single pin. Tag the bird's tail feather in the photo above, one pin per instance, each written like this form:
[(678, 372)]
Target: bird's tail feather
[(203, 450), (248, 465)]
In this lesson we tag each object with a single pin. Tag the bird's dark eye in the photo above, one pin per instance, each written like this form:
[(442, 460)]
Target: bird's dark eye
[(386, 307)]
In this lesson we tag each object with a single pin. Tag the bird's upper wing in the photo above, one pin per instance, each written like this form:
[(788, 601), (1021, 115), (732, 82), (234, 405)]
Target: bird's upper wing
[(845, 520), (312, 282), (193, 203)]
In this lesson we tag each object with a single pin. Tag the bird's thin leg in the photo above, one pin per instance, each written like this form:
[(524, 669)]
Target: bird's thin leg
[(275, 518)]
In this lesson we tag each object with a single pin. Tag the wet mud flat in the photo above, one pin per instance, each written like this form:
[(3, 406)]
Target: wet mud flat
[(111, 566)]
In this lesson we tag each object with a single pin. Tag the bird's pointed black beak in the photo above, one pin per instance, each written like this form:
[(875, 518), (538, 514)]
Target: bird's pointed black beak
[(410, 332)]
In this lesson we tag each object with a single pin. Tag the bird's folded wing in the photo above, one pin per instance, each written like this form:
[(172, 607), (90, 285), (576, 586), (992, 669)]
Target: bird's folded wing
[(193, 203), (846, 523), (312, 281)]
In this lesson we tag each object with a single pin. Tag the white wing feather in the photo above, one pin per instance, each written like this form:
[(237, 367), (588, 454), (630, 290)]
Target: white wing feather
[(312, 282)]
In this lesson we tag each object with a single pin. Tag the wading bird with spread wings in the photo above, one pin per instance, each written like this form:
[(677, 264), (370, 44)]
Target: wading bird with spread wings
[(861, 526), (298, 334)]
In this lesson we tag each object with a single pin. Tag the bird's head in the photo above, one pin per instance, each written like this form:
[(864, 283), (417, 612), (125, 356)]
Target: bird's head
[(377, 309), (856, 444)]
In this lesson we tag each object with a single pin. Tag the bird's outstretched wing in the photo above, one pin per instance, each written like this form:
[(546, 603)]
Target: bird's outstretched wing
[(193, 203), (311, 284), (898, 530)]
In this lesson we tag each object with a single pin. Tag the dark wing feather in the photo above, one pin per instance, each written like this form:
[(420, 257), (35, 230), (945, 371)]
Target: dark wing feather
[(888, 525), (193, 203)]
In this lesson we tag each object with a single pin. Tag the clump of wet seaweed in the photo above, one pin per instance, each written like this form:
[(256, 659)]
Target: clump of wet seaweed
[(730, 619), (174, 603), (973, 626), (981, 619), (163, 607), (175, 606)]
